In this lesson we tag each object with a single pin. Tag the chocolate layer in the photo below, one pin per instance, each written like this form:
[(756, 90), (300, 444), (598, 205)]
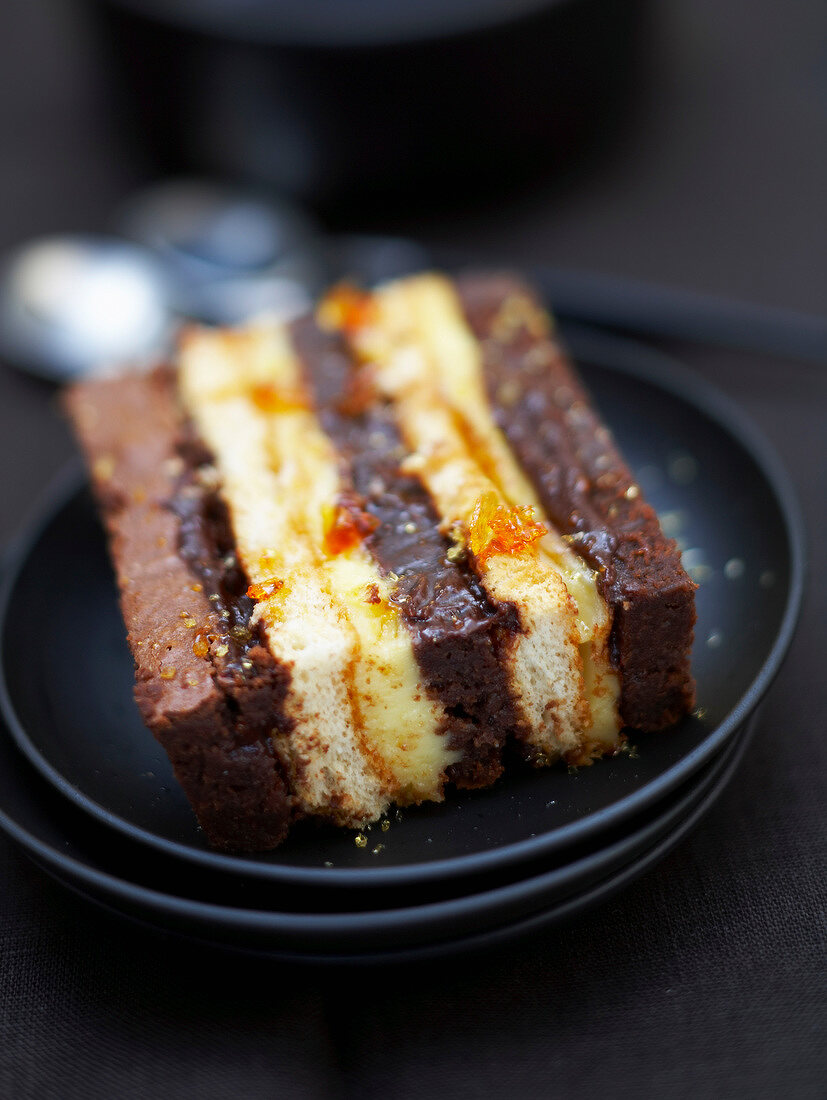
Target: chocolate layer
[(212, 710), (457, 633), (206, 542), (590, 495)]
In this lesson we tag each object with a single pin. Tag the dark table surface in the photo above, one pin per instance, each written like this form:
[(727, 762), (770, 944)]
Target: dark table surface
[(707, 977)]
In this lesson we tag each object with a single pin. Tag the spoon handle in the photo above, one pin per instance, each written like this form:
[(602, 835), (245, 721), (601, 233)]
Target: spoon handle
[(666, 312), (685, 315)]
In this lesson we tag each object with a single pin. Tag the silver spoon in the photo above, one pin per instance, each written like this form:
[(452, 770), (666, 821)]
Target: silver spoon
[(196, 250), (70, 305), (230, 252)]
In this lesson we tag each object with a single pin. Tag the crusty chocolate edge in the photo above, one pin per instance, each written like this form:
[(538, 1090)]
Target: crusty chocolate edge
[(588, 492), (213, 720), (459, 636)]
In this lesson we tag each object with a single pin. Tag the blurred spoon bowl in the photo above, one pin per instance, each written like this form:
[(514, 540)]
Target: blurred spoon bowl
[(74, 304)]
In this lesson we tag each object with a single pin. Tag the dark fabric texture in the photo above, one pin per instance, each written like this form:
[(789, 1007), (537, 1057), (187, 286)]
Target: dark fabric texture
[(706, 978)]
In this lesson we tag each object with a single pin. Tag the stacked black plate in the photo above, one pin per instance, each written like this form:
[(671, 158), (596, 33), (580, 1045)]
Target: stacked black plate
[(90, 796)]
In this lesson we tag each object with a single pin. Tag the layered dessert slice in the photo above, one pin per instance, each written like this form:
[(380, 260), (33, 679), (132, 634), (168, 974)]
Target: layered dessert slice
[(365, 555)]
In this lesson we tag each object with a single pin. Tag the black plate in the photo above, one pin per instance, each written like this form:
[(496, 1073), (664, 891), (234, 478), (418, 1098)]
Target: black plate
[(468, 922), (72, 842), (197, 904), (66, 674)]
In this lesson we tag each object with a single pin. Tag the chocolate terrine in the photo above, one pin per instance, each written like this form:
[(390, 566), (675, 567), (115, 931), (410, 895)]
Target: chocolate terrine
[(371, 553)]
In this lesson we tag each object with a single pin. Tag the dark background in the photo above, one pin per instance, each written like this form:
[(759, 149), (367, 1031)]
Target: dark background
[(705, 979)]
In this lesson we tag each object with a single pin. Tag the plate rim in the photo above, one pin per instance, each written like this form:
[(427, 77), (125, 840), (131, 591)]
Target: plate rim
[(463, 907), (550, 913), (617, 354)]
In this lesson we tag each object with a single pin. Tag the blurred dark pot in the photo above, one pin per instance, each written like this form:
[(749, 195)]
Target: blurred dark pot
[(367, 100)]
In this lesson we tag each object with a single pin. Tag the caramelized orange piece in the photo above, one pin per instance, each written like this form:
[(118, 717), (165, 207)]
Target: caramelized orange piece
[(265, 589), (347, 525), (271, 399), (348, 308), (501, 529)]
